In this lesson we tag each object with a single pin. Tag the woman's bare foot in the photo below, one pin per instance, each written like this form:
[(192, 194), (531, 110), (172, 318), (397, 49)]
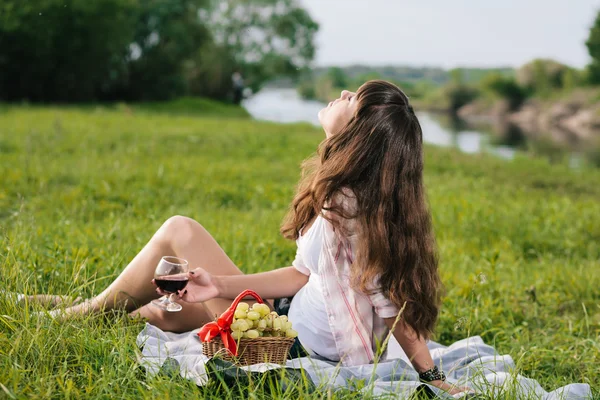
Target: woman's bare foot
[(71, 311)]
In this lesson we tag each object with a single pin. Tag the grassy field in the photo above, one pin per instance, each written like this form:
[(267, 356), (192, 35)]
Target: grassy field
[(83, 189)]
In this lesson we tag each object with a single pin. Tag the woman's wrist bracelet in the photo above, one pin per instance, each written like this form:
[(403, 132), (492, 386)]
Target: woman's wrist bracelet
[(433, 374)]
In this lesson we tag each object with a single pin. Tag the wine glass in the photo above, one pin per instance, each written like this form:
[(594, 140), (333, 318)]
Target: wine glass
[(171, 276)]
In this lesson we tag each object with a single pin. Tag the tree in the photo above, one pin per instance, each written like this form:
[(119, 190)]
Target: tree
[(265, 38), (168, 34), (208, 72), (80, 50), (506, 87), (593, 45), (64, 50)]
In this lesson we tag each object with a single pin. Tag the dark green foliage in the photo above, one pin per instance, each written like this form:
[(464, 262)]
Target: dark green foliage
[(457, 95), (505, 87), (261, 39), (167, 33), (65, 50), (593, 45), (208, 72), (80, 50)]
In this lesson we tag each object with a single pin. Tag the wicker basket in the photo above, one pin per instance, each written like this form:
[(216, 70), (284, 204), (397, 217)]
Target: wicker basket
[(252, 351), (249, 351)]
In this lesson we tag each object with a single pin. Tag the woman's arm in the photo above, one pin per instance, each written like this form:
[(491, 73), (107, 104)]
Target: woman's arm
[(418, 353), (203, 286), (282, 282)]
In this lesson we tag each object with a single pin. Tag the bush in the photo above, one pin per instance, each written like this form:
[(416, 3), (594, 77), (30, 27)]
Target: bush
[(457, 95), (307, 90), (542, 76), (506, 88)]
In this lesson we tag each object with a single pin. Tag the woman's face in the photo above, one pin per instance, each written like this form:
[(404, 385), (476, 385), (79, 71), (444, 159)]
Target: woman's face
[(338, 113)]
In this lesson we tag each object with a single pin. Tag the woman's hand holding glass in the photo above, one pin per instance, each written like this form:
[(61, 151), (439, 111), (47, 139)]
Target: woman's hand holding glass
[(201, 287)]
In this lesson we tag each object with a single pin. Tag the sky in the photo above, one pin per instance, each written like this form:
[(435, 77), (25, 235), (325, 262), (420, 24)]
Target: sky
[(451, 33)]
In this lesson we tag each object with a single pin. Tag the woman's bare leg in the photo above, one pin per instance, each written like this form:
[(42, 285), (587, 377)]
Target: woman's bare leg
[(179, 236), (46, 300), (50, 300)]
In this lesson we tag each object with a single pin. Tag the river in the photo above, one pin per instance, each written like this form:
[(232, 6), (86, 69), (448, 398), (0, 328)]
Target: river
[(286, 106)]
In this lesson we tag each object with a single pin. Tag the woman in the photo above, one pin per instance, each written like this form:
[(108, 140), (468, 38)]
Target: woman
[(366, 249)]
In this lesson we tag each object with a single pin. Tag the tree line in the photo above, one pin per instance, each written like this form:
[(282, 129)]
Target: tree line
[(104, 50)]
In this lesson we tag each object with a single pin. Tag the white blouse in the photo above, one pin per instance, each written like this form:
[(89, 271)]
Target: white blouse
[(307, 310)]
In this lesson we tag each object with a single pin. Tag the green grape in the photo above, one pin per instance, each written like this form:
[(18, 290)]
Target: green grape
[(255, 323), (273, 313), (262, 324), (276, 324), (287, 327), (291, 333), (266, 310), (235, 326), (262, 309), (251, 334), (240, 314), (237, 334), (243, 325), (242, 306), (283, 318), (253, 315), (269, 320)]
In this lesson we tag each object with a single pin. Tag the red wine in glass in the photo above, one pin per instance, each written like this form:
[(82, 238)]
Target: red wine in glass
[(171, 275), (171, 284)]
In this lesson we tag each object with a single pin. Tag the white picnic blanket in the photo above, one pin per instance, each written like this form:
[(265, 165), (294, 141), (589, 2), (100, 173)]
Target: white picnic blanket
[(468, 362)]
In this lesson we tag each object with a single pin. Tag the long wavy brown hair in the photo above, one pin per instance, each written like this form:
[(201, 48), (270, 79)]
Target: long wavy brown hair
[(378, 156)]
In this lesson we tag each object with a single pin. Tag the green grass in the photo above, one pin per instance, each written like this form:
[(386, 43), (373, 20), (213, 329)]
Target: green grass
[(83, 189), (183, 106)]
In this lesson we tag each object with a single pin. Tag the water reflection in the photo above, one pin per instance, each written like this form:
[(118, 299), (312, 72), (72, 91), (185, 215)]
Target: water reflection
[(513, 136), (282, 105), (444, 130)]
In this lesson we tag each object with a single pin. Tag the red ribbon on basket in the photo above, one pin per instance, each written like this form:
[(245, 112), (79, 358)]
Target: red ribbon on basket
[(222, 326)]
